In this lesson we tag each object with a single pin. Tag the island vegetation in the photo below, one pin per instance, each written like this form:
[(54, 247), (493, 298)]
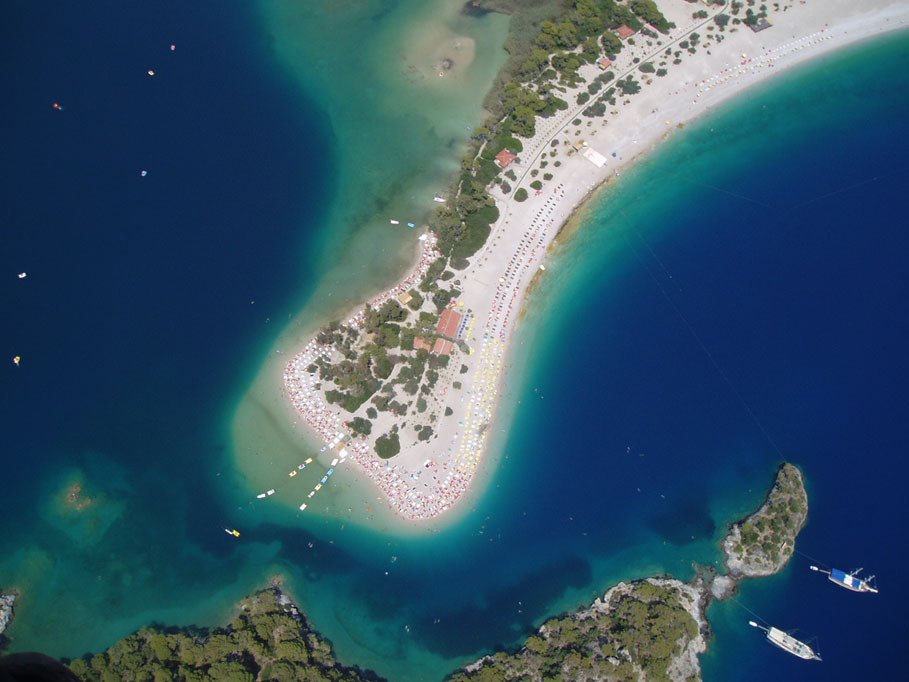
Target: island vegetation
[(762, 543), (269, 639), (640, 630)]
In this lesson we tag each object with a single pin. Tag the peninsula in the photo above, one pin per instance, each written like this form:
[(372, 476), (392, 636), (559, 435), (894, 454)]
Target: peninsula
[(405, 390)]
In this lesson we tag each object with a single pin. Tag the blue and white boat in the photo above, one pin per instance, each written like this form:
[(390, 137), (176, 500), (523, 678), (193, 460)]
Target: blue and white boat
[(851, 581)]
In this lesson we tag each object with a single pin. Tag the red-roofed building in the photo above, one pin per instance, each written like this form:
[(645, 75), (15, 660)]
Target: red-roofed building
[(442, 347), (625, 31), (604, 63), (448, 323), (419, 343), (504, 158)]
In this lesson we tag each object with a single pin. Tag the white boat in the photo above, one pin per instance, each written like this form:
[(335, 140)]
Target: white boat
[(311, 493), (261, 496), (334, 461), (270, 492), (302, 506), (438, 199), (850, 581), (788, 643), (395, 222)]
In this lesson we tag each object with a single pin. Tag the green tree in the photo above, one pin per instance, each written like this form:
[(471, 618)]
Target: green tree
[(388, 446)]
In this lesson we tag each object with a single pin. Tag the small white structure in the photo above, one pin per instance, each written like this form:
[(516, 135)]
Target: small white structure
[(594, 157)]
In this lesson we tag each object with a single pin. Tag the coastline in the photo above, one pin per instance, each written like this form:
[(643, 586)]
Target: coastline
[(631, 132)]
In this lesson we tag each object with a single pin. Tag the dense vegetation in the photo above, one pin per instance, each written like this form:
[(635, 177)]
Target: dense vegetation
[(635, 638), (267, 640), (545, 56)]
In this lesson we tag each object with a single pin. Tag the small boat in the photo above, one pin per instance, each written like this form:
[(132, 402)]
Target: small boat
[(324, 479), (292, 473), (787, 642), (311, 493), (261, 496), (851, 581), (395, 222), (438, 199), (329, 472), (308, 460), (270, 492), (301, 466), (302, 506), (334, 461), (23, 275), (318, 487), (232, 531), (411, 225)]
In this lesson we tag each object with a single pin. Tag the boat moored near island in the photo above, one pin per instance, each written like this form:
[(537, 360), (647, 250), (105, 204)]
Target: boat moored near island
[(851, 581), (788, 643)]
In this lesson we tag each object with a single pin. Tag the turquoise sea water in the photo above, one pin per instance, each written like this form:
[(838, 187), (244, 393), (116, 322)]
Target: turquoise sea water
[(736, 299)]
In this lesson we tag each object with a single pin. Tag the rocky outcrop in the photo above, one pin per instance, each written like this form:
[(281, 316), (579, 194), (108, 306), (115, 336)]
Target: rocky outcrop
[(761, 544), (7, 601)]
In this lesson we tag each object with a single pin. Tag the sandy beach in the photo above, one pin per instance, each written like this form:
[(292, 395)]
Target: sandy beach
[(435, 479)]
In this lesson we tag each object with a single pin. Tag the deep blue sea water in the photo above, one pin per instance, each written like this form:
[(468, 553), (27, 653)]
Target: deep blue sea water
[(736, 300), (136, 323)]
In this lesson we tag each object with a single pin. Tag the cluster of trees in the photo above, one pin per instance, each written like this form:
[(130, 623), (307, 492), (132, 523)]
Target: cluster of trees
[(267, 640), (773, 528), (651, 14), (642, 631)]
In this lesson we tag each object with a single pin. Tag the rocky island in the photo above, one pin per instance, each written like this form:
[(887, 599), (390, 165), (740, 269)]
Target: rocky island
[(763, 543), (649, 629), (654, 629)]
